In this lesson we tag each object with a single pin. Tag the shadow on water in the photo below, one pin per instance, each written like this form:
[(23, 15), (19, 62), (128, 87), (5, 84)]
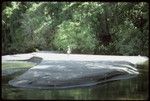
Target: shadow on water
[(134, 88)]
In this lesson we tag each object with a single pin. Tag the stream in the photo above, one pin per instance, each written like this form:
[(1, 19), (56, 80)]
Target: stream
[(133, 88), (129, 89)]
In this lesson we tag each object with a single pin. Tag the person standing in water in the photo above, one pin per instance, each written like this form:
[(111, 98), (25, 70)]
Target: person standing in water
[(68, 50)]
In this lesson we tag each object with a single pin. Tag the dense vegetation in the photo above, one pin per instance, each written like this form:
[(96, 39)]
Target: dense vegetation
[(120, 28)]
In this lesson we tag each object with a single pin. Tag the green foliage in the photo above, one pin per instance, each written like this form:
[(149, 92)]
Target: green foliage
[(87, 27), (75, 35)]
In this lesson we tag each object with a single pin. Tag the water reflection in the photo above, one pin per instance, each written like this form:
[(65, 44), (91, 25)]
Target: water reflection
[(134, 88)]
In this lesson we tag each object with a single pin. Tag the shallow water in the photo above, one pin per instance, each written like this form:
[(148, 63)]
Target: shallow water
[(134, 88)]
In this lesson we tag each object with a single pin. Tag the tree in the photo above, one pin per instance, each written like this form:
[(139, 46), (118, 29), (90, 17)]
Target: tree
[(120, 28)]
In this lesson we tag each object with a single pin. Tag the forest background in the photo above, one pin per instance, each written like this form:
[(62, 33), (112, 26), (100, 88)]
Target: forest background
[(105, 28)]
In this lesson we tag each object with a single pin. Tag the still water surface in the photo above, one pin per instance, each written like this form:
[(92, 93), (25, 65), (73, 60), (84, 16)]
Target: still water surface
[(131, 89)]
